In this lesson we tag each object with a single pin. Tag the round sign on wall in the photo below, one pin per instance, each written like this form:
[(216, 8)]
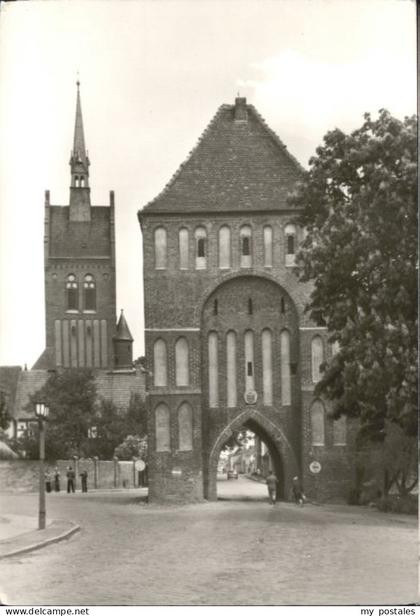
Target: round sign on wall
[(315, 467), (139, 465), (250, 396)]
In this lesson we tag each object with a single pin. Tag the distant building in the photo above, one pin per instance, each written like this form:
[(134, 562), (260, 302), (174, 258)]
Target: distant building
[(228, 342), (80, 297)]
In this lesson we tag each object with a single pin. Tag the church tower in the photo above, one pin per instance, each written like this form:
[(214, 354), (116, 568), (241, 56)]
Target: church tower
[(79, 250)]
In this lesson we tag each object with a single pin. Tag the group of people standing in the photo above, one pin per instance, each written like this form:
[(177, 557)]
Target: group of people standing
[(71, 479)]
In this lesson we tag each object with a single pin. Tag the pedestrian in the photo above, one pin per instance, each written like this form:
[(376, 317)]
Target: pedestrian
[(271, 482), (47, 476), (83, 477), (70, 479), (298, 492), (56, 479)]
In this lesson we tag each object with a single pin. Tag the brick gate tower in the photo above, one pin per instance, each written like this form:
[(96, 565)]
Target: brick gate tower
[(228, 343)]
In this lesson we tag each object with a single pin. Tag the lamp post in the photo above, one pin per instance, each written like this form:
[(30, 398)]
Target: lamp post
[(41, 411)]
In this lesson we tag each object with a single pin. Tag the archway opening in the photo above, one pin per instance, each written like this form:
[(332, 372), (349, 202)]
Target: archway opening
[(245, 459)]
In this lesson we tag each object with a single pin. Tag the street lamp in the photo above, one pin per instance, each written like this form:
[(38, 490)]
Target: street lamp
[(41, 411)]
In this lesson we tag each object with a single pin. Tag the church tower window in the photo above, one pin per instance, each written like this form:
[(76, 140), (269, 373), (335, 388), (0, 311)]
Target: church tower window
[(267, 366), (317, 423), (163, 438), (224, 247), (183, 249), (317, 356), (213, 370), (89, 293), (185, 427), (181, 363), (245, 238), (249, 360), (71, 293), (160, 248), (231, 369), (160, 368), (286, 396), (268, 246), (290, 236), (200, 248)]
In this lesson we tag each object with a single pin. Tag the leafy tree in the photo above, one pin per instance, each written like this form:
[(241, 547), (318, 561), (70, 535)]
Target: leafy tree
[(70, 396), (391, 463), (5, 417), (359, 206), (133, 446)]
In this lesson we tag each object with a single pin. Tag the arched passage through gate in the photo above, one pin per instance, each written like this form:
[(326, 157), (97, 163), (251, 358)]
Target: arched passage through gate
[(281, 453)]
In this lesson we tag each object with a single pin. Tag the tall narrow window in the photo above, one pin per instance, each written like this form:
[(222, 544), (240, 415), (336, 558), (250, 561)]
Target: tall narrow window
[(340, 430), (224, 247), (183, 248), (71, 293), (213, 371), (250, 306), (181, 363), (290, 240), (282, 305), (163, 439), (160, 248), (231, 369), (245, 239), (160, 369), (268, 247), (317, 356), (249, 360), (286, 394), (89, 293), (200, 236), (215, 307), (185, 427), (317, 423), (267, 366)]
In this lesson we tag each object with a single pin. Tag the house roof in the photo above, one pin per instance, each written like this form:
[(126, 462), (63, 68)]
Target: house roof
[(238, 164)]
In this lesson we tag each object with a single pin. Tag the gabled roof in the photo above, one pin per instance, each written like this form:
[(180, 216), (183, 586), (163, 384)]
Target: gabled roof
[(238, 164)]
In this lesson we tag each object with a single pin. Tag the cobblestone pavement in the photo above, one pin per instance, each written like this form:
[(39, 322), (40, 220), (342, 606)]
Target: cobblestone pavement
[(229, 552)]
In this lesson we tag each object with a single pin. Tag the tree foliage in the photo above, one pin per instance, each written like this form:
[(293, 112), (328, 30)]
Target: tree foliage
[(133, 446), (359, 206), (80, 424), (71, 397)]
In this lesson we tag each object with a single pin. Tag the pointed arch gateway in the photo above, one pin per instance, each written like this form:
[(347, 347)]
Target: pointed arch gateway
[(281, 451)]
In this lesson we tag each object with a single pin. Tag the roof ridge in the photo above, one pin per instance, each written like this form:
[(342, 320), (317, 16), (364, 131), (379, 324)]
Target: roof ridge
[(175, 175), (275, 137)]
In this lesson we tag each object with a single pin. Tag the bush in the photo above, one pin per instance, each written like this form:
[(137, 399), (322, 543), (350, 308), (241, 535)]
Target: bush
[(397, 504)]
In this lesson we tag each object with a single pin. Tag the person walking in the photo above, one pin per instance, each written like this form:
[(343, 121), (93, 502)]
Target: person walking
[(70, 479), (298, 492), (83, 477), (56, 479), (271, 481)]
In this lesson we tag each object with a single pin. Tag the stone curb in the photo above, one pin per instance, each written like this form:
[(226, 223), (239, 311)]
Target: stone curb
[(28, 543)]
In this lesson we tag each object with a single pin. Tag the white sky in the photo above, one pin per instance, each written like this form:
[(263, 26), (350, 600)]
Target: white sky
[(153, 73)]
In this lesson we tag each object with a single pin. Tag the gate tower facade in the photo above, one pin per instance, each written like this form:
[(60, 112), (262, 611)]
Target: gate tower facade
[(228, 343)]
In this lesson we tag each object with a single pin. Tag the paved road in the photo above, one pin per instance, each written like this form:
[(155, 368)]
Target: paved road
[(229, 552)]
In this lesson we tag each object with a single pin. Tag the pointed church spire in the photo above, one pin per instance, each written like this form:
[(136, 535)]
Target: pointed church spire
[(123, 345), (79, 165), (123, 331), (79, 149)]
